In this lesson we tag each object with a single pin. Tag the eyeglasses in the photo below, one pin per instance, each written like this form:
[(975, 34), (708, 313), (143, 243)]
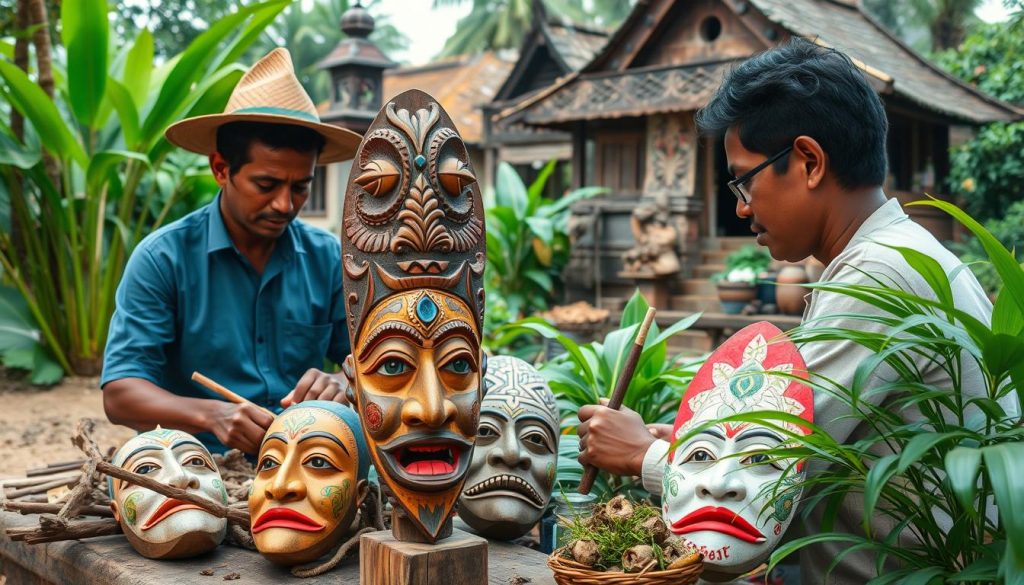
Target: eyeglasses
[(737, 185)]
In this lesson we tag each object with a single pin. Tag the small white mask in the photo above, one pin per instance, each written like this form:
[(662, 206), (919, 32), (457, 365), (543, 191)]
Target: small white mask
[(712, 493), (156, 526)]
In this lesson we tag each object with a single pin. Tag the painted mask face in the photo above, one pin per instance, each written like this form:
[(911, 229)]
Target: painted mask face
[(158, 527), (513, 469), (713, 494), (310, 480), (413, 260), (417, 380)]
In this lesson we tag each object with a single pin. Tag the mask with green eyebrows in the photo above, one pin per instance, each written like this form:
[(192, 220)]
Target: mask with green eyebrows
[(310, 480), (156, 526)]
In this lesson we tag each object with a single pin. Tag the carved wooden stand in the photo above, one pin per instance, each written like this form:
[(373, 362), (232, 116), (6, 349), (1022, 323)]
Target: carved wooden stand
[(459, 559)]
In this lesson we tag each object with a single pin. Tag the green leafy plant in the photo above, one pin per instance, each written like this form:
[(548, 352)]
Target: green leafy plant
[(527, 241), (93, 173), (588, 372), (963, 456), (20, 346), (744, 264), (1008, 229)]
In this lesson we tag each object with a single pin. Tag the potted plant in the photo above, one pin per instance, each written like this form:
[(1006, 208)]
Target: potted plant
[(737, 284)]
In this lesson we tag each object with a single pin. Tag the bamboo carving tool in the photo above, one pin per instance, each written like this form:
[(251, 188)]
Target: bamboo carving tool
[(225, 393), (621, 385)]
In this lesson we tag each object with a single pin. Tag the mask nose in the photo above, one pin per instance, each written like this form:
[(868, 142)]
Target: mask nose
[(721, 482), (429, 407), (507, 452)]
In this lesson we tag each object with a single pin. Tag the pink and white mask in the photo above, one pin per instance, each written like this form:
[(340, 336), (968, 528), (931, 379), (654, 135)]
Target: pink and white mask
[(712, 493)]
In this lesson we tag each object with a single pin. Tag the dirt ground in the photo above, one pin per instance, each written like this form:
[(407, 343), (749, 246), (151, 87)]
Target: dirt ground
[(36, 423)]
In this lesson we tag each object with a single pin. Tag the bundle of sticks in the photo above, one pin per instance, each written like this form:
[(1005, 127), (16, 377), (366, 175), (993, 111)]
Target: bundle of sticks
[(84, 510)]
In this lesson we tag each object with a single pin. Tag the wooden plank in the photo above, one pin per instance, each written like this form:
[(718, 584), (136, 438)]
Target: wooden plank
[(110, 560)]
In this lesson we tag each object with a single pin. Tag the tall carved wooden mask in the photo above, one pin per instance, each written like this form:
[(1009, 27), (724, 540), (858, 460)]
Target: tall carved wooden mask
[(413, 257)]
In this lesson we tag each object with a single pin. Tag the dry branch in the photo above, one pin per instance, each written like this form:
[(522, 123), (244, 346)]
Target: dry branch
[(219, 510)]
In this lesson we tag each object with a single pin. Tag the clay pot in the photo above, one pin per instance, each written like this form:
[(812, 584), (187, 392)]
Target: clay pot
[(766, 286), (790, 298), (735, 295)]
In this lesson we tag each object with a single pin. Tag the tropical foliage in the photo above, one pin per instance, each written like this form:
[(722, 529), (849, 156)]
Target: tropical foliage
[(527, 240), (92, 173), (588, 372), (941, 490)]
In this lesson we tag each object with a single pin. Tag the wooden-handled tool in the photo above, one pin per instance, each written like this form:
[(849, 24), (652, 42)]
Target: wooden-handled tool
[(621, 385), (225, 393)]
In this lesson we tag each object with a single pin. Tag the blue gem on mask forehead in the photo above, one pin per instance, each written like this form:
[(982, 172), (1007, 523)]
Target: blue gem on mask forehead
[(420, 161), (426, 310)]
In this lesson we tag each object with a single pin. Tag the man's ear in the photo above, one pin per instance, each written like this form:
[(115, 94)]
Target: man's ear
[(113, 508), (220, 168), (348, 367), (812, 158)]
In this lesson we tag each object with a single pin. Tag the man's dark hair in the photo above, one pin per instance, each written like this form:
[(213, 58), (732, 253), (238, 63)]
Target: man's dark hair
[(802, 89), (234, 139)]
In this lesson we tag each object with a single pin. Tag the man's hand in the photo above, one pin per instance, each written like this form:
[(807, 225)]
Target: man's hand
[(317, 385), (661, 431), (613, 440), (240, 426)]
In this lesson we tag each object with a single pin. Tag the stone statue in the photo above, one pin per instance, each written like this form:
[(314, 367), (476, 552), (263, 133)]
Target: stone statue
[(513, 468), (310, 480), (656, 252), (413, 262), (722, 502), (158, 527)]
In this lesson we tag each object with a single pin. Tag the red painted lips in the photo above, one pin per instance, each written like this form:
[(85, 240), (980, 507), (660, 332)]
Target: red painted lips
[(285, 518), (170, 506), (718, 520)]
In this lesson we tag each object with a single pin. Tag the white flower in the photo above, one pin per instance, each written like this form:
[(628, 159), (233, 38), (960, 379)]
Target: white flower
[(743, 274)]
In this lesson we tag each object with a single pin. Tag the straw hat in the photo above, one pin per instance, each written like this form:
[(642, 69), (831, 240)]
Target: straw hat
[(270, 93)]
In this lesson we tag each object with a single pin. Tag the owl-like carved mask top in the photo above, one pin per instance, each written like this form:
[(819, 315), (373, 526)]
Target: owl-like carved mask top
[(156, 526), (413, 257)]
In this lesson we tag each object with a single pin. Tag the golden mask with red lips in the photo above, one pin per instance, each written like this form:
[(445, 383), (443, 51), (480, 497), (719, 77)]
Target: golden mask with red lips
[(413, 261)]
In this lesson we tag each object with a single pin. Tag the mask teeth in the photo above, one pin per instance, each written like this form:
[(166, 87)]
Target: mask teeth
[(505, 482)]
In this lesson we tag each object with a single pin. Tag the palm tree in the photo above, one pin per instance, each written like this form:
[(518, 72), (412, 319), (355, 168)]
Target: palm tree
[(926, 24), (502, 24)]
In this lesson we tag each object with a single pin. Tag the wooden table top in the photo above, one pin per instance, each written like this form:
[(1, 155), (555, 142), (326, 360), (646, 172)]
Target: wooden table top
[(111, 561)]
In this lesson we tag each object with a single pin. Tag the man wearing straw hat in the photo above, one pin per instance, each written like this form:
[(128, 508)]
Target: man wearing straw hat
[(238, 290)]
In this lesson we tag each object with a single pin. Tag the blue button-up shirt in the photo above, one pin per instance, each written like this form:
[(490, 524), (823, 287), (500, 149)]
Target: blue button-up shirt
[(190, 301)]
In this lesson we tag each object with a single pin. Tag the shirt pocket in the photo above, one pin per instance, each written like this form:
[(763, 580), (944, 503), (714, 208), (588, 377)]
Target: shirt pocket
[(304, 346)]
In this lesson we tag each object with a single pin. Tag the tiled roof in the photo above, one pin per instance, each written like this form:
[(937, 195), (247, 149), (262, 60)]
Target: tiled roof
[(848, 29), (636, 92), (575, 45), (461, 85)]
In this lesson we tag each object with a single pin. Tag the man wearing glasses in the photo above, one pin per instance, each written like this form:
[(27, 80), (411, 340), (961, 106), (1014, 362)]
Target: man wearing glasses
[(805, 137)]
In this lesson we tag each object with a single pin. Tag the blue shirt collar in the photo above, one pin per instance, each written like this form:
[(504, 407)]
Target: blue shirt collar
[(218, 238)]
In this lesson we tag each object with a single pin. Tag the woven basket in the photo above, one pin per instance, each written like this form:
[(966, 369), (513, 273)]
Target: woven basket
[(569, 572)]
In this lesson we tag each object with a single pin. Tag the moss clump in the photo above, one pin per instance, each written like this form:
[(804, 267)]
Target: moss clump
[(624, 536)]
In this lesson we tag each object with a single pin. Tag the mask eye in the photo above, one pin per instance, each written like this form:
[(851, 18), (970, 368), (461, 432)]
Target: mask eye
[(454, 175), (267, 464), (700, 456), (485, 431), (459, 366), (146, 468), (536, 439), (196, 461), (379, 177), (393, 367), (317, 462)]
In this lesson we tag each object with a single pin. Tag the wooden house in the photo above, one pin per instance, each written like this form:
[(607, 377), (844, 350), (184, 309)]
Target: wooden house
[(630, 110)]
